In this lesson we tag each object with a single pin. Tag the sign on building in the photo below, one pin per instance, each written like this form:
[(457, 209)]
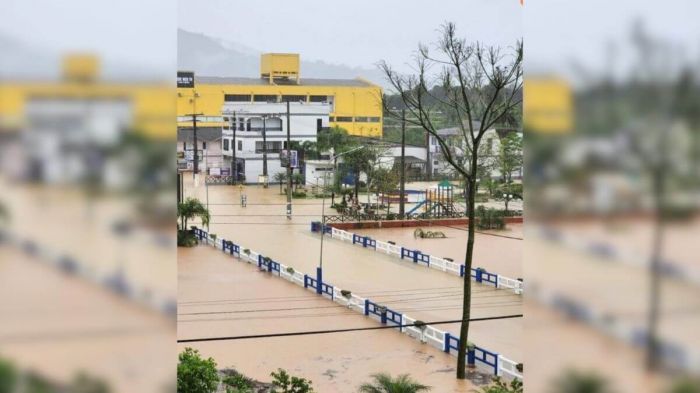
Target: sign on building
[(185, 79), (285, 156)]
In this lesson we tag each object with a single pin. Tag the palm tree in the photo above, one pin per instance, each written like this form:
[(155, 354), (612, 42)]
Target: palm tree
[(280, 177), (384, 383), (574, 381), (190, 209)]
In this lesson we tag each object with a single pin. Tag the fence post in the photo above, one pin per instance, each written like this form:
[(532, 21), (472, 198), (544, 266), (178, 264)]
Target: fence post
[(402, 249), (461, 270), (446, 346), (305, 284), (471, 357), (319, 280), (259, 260), (415, 255), (366, 307), (383, 316), (478, 274), (496, 280), (364, 242), (269, 266)]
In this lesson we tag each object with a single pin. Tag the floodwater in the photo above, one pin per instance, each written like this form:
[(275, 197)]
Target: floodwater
[(67, 222), (421, 293), (59, 325), (613, 288), (220, 296)]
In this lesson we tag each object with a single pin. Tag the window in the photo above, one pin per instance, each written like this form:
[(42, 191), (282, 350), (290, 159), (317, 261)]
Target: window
[(184, 145), (204, 145), (237, 97), (240, 145), (319, 125), (293, 98), (225, 144), (241, 124), (331, 118), (374, 119), (318, 99), (362, 119), (265, 98), (272, 147), (346, 119), (273, 124)]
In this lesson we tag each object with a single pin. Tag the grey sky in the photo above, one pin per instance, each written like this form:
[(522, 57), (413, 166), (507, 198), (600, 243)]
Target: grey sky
[(351, 32), (558, 31), (141, 33)]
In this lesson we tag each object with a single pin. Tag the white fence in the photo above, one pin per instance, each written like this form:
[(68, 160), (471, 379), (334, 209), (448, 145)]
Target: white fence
[(442, 264), (427, 334)]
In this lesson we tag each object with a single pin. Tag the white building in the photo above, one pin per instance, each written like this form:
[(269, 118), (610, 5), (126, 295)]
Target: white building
[(247, 120)]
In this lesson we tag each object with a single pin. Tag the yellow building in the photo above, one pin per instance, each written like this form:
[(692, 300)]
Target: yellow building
[(152, 105), (355, 103), (548, 105)]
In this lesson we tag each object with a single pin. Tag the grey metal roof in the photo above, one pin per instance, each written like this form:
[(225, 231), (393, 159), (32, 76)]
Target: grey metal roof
[(203, 134), (213, 80)]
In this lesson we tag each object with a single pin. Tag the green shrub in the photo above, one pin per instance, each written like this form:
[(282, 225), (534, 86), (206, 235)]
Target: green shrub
[(196, 375), (238, 383), (186, 239), (500, 386), (8, 376), (289, 384), (298, 194)]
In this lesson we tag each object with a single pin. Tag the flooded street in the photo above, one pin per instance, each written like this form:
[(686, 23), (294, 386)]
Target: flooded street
[(223, 296), (422, 293), (59, 325)]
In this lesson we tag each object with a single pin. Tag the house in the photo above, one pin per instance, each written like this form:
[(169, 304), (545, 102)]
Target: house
[(209, 152), (245, 123)]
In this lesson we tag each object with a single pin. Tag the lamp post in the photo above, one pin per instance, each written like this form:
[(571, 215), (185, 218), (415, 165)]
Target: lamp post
[(319, 269)]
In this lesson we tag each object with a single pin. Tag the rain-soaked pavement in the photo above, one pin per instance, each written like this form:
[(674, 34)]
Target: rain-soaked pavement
[(222, 296), (421, 293)]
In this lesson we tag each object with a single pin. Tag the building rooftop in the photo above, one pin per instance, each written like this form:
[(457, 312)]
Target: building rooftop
[(212, 80)]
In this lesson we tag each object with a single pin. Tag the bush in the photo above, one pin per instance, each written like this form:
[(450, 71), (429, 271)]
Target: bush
[(298, 194), (196, 375), (8, 376), (489, 218), (289, 384), (290, 270), (345, 293), (500, 386), (186, 239), (237, 383)]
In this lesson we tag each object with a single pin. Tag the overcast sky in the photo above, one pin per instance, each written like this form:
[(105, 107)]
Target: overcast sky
[(351, 32)]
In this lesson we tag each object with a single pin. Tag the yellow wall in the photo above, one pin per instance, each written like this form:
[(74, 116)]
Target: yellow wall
[(280, 65), (153, 104), (349, 101), (548, 105)]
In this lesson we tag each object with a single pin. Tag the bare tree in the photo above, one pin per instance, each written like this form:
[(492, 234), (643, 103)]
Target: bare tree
[(481, 86)]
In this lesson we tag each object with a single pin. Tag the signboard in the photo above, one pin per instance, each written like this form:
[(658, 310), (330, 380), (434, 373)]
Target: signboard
[(185, 79), (189, 155), (285, 155)]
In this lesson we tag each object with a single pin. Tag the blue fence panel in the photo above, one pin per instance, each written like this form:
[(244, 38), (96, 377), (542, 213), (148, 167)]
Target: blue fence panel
[(420, 257), (357, 239), (310, 282), (487, 357), (235, 249), (388, 315), (274, 267), (315, 226), (483, 355), (369, 242)]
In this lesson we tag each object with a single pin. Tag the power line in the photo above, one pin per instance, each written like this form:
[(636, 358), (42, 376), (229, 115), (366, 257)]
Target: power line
[(315, 332)]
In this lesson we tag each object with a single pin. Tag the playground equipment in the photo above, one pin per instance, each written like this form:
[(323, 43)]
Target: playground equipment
[(438, 202)]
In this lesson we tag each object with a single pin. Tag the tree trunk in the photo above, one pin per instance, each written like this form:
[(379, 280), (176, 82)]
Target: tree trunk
[(466, 303)]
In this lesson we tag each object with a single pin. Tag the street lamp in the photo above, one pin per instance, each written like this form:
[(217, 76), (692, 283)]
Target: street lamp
[(319, 269)]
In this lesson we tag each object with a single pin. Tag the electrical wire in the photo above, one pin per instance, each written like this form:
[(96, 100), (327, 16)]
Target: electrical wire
[(331, 331)]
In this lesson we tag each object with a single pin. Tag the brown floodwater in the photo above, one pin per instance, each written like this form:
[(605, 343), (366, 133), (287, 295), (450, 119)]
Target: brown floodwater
[(421, 293), (222, 296), (59, 325)]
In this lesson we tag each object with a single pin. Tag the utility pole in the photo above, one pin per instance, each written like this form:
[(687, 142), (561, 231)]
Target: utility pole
[(402, 190), (289, 165), (195, 168), (264, 135), (234, 164), (428, 161)]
